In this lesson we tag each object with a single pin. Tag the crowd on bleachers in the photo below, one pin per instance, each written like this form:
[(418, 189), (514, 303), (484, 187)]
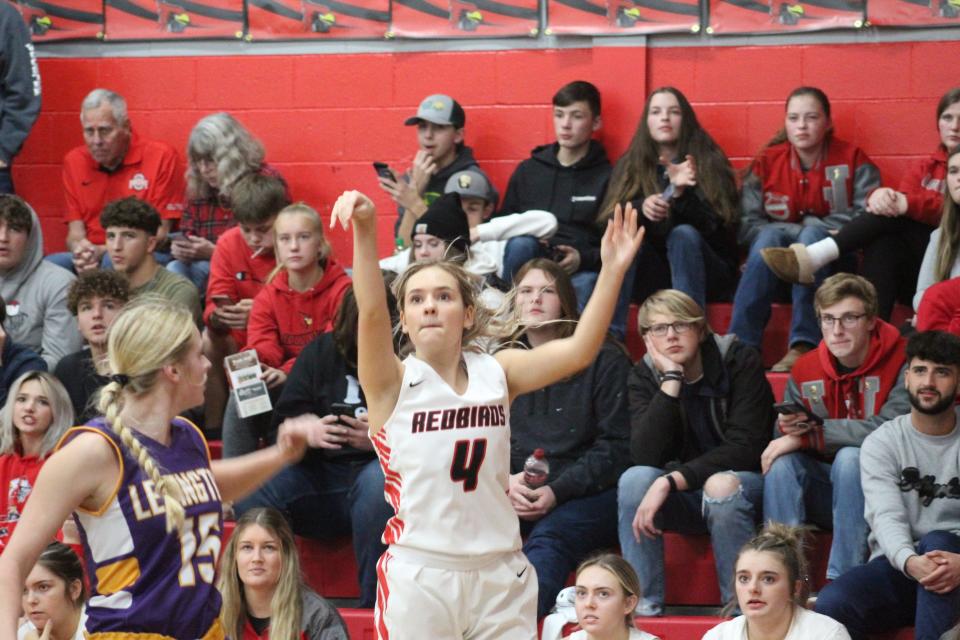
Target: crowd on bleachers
[(688, 438)]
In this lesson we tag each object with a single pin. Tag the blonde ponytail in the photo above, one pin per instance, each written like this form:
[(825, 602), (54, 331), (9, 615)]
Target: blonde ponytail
[(146, 336), (111, 402)]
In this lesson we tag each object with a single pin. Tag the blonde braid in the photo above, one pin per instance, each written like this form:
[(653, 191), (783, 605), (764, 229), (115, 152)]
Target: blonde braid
[(110, 406)]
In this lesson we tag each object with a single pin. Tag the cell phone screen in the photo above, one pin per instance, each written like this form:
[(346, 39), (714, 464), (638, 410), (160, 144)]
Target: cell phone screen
[(383, 170)]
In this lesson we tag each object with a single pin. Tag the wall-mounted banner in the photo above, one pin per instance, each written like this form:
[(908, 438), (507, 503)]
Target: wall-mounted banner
[(621, 17), (465, 18), (173, 19), (913, 13), (778, 16), (62, 19), (317, 19)]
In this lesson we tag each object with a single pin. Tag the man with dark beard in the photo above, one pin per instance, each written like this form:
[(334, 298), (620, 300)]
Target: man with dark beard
[(910, 471)]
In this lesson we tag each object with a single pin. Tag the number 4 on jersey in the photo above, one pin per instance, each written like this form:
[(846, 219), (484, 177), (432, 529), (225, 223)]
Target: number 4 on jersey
[(462, 470)]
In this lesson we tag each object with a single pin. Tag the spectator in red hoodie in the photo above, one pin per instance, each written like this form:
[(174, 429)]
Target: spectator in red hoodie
[(298, 303), (895, 236), (940, 308), (853, 383), (239, 269), (301, 297)]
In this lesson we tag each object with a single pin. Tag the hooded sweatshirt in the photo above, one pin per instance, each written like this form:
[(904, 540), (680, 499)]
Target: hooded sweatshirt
[(19, 82), (283, 321), (853, 404), (573, 194), (35, 292)]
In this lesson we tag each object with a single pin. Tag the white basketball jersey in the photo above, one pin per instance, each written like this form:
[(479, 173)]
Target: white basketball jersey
[(446, 458)]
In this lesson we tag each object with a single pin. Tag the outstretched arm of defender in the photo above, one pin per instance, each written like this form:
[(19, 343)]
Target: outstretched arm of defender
[(379, 369), (529, 370)]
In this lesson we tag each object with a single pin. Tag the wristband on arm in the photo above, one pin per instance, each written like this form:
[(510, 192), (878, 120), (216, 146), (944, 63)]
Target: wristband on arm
[(673, 375), (671, 481)]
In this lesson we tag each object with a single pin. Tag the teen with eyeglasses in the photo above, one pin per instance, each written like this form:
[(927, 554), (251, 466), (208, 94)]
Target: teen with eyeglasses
[(853, 381), (700, 411)]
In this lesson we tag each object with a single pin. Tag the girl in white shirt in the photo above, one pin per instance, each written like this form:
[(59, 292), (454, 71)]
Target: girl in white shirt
[(54, 596), (607, 593), (771, 585)]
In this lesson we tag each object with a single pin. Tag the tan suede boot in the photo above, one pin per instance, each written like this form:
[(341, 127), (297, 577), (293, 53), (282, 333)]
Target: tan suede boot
[(791, 264)]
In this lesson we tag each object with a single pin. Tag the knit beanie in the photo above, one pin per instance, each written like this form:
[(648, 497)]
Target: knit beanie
[(446, 220)]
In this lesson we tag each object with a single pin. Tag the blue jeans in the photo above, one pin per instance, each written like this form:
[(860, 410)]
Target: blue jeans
[(692, 265), (522, 249), (876, 597), (800, 489), (325, 499), (730, 521), (759, 287), (196, 272), (560, 540)]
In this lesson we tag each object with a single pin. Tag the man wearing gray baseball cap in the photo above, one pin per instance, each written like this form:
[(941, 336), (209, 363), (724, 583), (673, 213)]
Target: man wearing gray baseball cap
[(440, 122)]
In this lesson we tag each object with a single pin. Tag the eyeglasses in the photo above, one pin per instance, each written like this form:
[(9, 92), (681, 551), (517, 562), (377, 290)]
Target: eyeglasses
[(679, 328), (848, 320)]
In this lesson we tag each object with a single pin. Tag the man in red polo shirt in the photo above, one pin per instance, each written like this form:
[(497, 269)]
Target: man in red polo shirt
[(114, 163)]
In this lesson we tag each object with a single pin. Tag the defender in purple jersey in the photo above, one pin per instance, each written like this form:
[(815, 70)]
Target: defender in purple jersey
[(142, 489)]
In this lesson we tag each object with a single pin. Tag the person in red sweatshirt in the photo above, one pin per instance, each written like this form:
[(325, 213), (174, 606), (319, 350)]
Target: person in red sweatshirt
[(940, 308), (302, 296), (239, 267), (298, 303), (895, 236), (844, 389)]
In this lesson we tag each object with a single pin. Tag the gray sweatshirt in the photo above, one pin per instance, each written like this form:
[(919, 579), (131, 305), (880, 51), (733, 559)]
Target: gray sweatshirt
[(35, 292), (911, 482)]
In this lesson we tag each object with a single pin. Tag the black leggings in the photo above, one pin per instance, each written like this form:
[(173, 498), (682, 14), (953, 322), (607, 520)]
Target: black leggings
[(893, 249)]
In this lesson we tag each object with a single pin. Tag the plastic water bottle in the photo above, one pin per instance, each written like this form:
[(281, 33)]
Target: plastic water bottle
[(536, 469)]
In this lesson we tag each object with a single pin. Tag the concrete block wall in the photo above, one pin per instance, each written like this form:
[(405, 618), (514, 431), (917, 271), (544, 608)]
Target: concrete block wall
[(325, 118)]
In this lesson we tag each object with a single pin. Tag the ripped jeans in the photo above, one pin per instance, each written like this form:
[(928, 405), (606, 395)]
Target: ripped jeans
[(731, 521)]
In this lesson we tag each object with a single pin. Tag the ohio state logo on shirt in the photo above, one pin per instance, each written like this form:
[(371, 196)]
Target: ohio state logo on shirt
[(139, 182), (15, 317)]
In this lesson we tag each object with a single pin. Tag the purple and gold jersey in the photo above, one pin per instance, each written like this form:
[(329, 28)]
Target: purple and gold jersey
[(147, 583)]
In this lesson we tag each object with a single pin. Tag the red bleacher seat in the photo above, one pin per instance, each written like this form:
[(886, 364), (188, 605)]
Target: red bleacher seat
[(216, 449), (329, 567), (678, 627), (359, 623), (692, 576)]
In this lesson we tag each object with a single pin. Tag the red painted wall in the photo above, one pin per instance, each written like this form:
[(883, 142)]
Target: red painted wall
[(324, 118)]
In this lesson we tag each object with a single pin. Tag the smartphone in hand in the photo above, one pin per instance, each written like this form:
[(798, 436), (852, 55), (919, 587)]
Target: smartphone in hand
[(383, 170), (793, 408), (344, 409)]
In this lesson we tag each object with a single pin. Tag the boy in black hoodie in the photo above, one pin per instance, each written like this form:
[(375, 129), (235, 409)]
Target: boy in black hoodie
[(568, 178), (440, 122)]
